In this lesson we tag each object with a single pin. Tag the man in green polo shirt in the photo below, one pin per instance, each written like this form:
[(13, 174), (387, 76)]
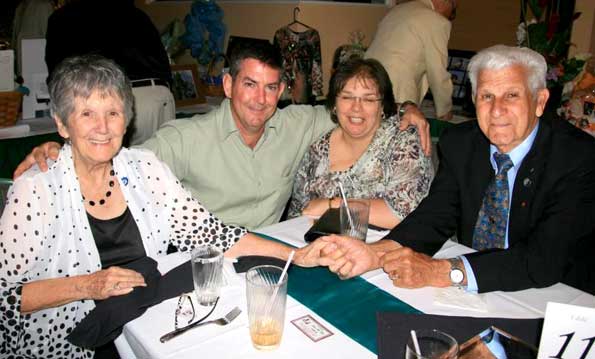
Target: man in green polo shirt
[(239, 160)]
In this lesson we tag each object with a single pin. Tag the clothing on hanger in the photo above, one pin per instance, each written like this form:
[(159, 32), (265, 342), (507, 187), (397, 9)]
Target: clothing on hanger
[(302, 70)]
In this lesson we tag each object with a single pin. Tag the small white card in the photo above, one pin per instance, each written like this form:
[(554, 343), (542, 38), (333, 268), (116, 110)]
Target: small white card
[(312, 328), (568, 332)]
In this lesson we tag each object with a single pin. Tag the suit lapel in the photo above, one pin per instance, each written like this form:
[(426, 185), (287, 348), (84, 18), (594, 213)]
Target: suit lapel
[(525, 184)]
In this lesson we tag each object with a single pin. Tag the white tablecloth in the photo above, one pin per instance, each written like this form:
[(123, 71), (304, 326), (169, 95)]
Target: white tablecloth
[(140, 338)]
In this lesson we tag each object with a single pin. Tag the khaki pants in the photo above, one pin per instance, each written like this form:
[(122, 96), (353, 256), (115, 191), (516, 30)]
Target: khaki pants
[(153, 106)]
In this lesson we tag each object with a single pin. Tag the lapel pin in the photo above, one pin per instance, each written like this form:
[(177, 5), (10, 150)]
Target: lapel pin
[(527, 182)]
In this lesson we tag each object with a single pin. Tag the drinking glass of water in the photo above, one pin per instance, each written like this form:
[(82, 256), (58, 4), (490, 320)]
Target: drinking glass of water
[(354, 218), (207, 271)]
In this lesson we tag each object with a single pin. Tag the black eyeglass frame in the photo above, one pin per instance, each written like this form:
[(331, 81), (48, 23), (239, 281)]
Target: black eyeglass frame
[(179, 307)]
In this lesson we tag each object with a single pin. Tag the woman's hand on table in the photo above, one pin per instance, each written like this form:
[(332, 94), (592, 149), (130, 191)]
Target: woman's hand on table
[(54, 292), (111, 282)]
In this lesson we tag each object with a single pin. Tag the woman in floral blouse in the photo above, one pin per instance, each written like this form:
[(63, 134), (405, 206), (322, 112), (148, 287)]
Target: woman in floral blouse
[(366, 153)]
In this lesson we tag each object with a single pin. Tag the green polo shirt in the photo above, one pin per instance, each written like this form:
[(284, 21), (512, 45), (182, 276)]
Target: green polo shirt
[(240, 185)]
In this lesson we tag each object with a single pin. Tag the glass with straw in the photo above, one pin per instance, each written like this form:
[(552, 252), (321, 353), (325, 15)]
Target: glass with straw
[(354, 214), (266, 292)]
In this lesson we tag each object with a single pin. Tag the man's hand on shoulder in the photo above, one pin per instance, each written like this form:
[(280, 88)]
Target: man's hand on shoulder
[(39, 155), (414, 117)]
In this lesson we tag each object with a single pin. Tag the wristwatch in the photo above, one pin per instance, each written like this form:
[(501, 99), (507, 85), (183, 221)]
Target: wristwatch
[(457, 274), (403, 107)]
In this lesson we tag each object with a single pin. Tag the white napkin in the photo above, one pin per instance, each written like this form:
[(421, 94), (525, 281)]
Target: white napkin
[(375, 236), (14, 130), (459, 298)]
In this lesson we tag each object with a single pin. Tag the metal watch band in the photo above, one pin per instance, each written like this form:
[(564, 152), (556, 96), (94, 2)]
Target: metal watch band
[(456, 264)]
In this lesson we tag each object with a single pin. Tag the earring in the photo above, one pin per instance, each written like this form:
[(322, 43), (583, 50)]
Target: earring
[(383, 116), (334, 111)]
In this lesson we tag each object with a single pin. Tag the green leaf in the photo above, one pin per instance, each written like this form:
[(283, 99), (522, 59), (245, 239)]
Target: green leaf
[(537, 37)]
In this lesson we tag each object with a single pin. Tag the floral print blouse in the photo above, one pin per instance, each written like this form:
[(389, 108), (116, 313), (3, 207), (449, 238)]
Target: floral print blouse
[(393, 168), (302, 63)]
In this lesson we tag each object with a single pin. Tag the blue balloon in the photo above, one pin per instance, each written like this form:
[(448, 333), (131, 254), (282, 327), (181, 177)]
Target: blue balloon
[(205, 31)]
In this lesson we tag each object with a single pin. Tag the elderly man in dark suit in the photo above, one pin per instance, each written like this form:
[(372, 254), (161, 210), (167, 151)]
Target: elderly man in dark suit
[(519, 189)]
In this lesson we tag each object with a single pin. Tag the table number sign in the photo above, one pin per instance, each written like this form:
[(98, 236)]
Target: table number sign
[(568, 332)]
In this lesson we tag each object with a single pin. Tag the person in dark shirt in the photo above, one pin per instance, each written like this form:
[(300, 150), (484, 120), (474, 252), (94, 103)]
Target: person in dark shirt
[(118, 30)]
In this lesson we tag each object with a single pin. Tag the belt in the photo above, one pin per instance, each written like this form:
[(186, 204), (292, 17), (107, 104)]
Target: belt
[(149, 82)]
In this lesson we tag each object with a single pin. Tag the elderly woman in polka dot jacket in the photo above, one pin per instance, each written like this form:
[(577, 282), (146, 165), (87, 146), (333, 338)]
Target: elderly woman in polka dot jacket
[(64, 233)]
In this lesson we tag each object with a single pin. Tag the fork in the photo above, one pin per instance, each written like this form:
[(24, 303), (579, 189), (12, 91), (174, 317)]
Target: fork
[(228, 318)]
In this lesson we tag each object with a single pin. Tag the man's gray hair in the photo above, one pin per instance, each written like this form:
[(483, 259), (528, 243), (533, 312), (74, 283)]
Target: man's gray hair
[(500, 56), (80, 76)]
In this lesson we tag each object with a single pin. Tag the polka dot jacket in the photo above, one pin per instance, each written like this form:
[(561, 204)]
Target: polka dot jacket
[(45, 233)]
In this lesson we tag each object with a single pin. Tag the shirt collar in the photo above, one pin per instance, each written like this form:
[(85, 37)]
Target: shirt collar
[(229, 127), (519, 152)]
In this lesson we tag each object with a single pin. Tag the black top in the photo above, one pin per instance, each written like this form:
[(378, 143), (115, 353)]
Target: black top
[(118, 239), (115, 29)]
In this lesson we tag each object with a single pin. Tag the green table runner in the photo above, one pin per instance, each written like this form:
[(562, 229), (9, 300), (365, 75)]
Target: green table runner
[(349, 305)]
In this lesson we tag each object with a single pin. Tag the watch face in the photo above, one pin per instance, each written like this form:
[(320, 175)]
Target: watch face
[(456, 276)]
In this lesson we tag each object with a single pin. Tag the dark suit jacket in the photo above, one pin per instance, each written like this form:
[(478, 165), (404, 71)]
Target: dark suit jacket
[(551, 230)]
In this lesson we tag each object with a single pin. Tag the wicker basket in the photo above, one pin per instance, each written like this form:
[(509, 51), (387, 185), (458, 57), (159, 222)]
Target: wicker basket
[(10, 103)]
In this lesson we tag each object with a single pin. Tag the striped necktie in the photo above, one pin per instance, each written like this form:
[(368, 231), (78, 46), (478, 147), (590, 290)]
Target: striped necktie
[(490, 229)]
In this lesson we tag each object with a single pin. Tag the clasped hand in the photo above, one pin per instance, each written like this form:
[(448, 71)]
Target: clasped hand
[(345, 256), (348, 257)]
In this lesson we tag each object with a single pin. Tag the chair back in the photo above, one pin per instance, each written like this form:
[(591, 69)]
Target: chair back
[(4, 186)]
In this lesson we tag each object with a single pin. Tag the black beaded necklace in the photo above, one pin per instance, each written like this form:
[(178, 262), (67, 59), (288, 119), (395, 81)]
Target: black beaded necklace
[(111, 184)]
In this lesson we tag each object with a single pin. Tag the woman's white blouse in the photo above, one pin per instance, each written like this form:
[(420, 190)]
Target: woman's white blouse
[(45, 233)]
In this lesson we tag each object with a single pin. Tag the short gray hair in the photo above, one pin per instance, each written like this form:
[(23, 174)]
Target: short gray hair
[(80, 76), (499, 56)]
